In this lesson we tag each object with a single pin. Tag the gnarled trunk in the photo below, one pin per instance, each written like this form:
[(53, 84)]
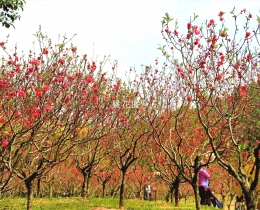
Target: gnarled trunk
[(50, 190), (38, 192), (104, 182), (197, 197), (84, 186), (29, 187), (122, 189), (176, 192), (86, 183), (171, 193), (251, 200)]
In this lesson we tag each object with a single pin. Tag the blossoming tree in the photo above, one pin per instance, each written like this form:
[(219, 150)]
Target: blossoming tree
[(219, 71)]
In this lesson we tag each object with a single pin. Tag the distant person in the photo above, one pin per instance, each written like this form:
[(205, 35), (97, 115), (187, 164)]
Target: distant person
[(147, 191), (203, 182)]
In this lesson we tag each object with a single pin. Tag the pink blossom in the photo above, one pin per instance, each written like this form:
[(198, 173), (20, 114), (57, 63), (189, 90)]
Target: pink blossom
[(46, 88)]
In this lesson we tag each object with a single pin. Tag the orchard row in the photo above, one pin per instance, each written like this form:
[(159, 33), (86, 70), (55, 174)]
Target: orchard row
[(67, 116)]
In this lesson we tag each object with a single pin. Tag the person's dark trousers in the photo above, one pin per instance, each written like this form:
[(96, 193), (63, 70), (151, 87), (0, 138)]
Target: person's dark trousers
[(202, 192)]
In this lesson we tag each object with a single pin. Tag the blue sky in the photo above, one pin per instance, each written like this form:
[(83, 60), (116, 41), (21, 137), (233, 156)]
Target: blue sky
[(127, 30)]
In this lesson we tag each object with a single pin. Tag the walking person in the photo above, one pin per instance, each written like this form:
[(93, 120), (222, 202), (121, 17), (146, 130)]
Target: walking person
[(148, 191), (203, 182)]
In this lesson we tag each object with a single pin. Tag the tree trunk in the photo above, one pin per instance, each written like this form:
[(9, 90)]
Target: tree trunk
[(197, 197), (71, 193), (121, 193), (29, 186), (38, 192), (88, 184), (176, 192), (84, 186), (112, 192), (228, 204), (251, 200), (171, 194), (104, 182), (50, 190), (103, 188)]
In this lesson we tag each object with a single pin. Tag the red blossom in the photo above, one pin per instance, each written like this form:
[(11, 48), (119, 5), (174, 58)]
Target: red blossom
[(244, 88), (219, 77), (30, 70), (111, 109), (27, 123), (38, 93), (2, 120), (223, 34), (18, 115), (197, 40), (220, 63), (242, 91), (61, 61), (10, 62), (95, 100), (167, 30), (47, 107), (18, 69), (67, 99), (196, 30), (117, 86), (46, 88), (4, 143), (35, 62), (186, 171), (89, 79), (36, 113), (164, 117), (21, 93), (45, 51), (93, 67), (74, 49), (245, 154), (220, 14), (211, 22), (236, 66), (189, 25), (248, 34), (248, 58)]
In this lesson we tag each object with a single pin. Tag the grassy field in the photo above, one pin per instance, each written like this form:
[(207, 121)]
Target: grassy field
[(90, 204)]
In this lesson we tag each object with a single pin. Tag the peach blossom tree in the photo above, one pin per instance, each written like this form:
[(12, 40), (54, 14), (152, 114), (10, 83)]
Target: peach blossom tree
[(218, 71)]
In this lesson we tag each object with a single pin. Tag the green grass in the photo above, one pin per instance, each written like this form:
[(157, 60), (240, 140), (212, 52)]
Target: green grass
[(90, 204)]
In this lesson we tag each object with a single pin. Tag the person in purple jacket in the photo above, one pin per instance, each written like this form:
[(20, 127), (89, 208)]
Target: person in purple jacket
[(203, 179)]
